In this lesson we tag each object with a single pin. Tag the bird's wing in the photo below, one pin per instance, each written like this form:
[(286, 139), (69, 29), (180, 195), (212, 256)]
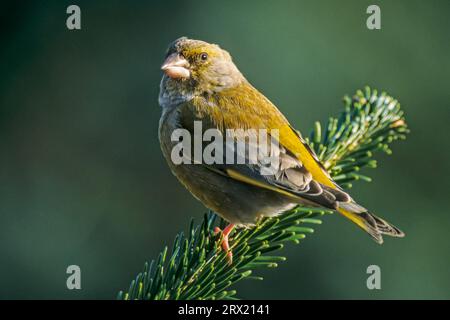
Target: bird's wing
[(299, 173), (246, 108), (289, 178)]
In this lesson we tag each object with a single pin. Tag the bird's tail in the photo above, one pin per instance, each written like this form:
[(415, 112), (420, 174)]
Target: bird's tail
[(369, 222)]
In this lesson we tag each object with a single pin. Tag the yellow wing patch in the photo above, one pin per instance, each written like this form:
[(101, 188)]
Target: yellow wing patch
[(243, 178), (292, 142)]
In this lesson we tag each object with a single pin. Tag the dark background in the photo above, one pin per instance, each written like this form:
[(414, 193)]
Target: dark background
[(83, 181)]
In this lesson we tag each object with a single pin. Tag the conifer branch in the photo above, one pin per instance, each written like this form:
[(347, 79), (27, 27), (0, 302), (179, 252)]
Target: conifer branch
[(196, 267)]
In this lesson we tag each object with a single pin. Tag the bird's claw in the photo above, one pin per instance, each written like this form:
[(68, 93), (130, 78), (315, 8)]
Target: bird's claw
[(225, 244)]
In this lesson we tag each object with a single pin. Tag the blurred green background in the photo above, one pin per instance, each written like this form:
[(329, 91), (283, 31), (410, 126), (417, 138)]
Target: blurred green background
[(83, 180)]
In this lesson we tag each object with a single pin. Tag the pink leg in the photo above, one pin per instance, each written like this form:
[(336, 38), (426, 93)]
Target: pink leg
[(225, 245)]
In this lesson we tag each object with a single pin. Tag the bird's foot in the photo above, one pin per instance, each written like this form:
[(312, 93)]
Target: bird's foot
[(225, 245)]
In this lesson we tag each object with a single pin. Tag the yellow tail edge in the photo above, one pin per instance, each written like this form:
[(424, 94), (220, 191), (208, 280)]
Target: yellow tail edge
[(375, 226)]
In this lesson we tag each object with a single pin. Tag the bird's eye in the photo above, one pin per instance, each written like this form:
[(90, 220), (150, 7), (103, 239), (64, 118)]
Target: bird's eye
[(204, 56)]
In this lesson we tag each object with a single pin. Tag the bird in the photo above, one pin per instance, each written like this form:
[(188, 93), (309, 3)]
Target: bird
[(201, 83)]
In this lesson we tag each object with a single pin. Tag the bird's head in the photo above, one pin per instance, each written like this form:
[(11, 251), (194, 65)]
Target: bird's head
[(197, 67)]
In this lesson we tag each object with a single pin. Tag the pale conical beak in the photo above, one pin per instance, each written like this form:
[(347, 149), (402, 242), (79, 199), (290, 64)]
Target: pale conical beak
[(176, 67)]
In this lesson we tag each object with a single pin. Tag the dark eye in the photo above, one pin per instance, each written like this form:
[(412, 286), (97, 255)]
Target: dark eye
[(204, 56)]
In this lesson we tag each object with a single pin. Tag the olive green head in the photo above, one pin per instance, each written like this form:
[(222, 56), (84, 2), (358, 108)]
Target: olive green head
[(197, 67)]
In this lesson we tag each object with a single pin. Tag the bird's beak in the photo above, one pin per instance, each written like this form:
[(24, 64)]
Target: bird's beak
[(176, 67)]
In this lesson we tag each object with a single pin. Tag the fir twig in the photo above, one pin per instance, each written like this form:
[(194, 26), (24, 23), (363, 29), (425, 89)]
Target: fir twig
[(197, 268)]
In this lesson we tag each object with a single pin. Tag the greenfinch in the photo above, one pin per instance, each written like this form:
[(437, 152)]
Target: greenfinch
[(202, 84)]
